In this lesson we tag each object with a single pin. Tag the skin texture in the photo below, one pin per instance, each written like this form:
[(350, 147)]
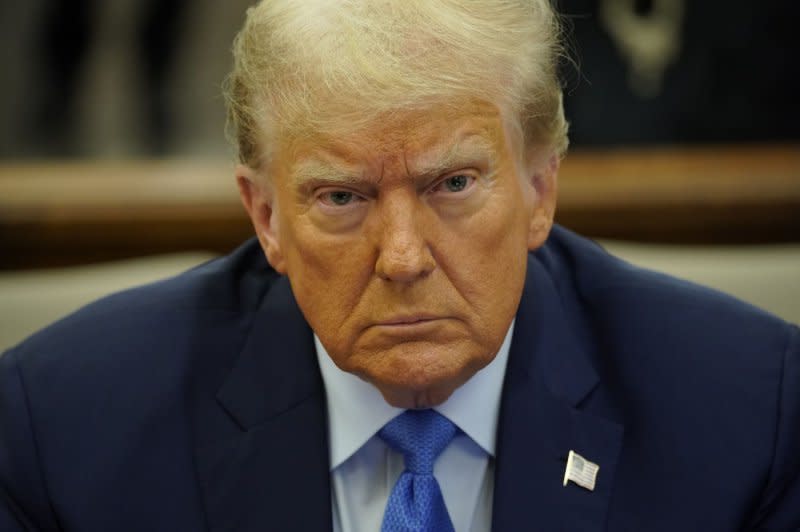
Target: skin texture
[(406, 244)]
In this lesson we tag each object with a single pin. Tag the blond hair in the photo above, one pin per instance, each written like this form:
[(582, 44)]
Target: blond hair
[(308, 66)]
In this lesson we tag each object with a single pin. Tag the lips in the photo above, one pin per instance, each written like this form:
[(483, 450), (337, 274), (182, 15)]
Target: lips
[(412, 319)]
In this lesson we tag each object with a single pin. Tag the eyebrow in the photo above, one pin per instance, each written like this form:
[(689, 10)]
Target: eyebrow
[(318, 171), (467, 148)]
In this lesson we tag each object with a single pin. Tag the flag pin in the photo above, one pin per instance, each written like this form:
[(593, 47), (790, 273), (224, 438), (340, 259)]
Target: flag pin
[(580, 471)]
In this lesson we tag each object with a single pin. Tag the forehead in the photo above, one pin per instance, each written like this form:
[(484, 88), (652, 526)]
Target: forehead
[(422, 137)]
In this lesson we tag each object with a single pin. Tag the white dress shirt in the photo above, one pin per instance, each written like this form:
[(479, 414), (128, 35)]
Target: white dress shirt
[(364, 469)]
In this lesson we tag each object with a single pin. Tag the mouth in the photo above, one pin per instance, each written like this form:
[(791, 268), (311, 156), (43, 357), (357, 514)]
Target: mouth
[(407, 327), (407, 321)]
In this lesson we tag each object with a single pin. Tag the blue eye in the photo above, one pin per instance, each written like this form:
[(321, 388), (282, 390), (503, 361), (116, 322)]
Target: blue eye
[(456, 183), (340, 197)]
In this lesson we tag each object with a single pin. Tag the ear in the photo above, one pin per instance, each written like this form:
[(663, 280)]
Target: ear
[(258, 199), (543, 175)]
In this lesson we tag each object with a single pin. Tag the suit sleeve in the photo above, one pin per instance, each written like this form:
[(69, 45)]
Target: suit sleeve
[(24, 504), (780, 504)]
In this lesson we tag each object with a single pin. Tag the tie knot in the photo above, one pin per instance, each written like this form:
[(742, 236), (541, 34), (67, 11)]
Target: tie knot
[(421, 435)]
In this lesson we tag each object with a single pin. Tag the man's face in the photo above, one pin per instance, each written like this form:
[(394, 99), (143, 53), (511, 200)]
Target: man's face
[(406, 243)]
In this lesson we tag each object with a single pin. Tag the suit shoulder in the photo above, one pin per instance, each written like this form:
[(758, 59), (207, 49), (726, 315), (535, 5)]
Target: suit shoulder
[(136, 327), (624, 301)]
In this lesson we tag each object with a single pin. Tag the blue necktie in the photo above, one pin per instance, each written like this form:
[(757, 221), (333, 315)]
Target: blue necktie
[(416, 502)]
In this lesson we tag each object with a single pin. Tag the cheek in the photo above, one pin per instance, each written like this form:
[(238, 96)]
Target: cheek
[(485, 258), (490, 238), (328, 274)]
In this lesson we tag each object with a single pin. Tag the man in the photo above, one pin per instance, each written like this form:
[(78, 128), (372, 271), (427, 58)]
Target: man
[(410, 344)]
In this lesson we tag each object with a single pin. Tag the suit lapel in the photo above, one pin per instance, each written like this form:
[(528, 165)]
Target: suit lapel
[(262, 458), (541, 420)]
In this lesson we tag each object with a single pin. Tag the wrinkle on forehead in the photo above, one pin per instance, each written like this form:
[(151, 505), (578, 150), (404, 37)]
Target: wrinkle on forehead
[(419, 156)]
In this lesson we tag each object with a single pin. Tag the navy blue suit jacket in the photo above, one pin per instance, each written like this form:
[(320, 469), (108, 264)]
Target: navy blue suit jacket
[(196, 404)]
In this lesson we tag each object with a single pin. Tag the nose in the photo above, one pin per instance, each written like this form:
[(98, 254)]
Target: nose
[(404, 254)]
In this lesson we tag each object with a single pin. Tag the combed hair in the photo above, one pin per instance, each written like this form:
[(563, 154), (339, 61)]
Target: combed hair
[(305, 67)]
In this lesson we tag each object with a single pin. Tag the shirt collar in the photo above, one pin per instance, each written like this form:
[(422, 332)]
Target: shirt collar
[(357, 410)]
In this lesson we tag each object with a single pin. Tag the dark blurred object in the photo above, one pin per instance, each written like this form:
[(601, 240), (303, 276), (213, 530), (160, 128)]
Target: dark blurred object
[(158, 40), (734, 78), (66, 36), (63, 45)]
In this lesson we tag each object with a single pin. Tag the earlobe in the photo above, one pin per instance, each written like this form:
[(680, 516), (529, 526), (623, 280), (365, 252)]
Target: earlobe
[(539, 231), (259, 202), (545, 184)]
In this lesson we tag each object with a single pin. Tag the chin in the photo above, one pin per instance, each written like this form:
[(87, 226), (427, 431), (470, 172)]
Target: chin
[(410, 380), (415, 399)]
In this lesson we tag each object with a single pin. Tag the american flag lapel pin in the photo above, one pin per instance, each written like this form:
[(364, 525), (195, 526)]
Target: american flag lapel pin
[(581, 471)]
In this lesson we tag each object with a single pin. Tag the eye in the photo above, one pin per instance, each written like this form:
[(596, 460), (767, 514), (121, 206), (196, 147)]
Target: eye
[(457, 183), (341, 197), (454, 184), (338, 198)]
